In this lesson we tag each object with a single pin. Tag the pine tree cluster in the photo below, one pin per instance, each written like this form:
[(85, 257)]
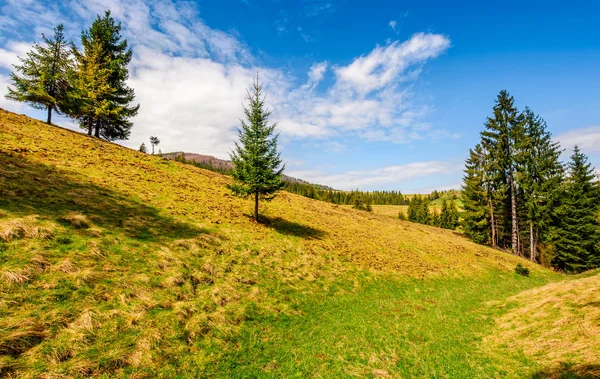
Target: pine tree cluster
[(87, 84), (419, 211), (518, 196)]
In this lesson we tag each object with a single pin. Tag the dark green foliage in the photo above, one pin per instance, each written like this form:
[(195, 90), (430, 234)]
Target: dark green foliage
[(362, 204), (324, 193), (512, 181), (539, 175), (576, 233), (448, 218), (498, 140), (42, 78), (116, 55), (523, 271), (143, 148), (418, 210), (257, 167)]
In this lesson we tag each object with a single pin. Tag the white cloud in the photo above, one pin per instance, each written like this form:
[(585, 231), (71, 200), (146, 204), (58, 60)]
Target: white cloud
[(316, 73), (191, 79), (376, 177), (384, 65), (366, 97), (328, 146), (10, 55), (588, 139), (393, 25)]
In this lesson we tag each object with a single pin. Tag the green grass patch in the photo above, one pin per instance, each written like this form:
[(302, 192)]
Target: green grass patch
[(430, 328)]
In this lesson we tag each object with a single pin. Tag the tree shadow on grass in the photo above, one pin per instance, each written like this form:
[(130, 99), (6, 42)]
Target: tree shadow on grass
[(290, 228), (569, 371), (29, 188)]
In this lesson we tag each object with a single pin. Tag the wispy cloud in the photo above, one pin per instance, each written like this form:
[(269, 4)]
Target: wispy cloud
[(318, 7), (588, 139), (393, 25), (376, 177), (367, 97), (305, 36)]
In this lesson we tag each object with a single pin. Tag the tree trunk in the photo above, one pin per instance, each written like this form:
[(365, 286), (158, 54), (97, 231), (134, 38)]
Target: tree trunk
[(492, 221), (49, 121), (256, 206), (97, 132), (90, 127), (531, 242), (515, 227), (152, 149)]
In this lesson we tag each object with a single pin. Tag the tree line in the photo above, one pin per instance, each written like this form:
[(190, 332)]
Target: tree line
[(330, 195), (519, 196), (86, 83)]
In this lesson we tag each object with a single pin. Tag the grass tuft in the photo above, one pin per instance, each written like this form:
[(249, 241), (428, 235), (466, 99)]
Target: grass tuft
[(75, 220)]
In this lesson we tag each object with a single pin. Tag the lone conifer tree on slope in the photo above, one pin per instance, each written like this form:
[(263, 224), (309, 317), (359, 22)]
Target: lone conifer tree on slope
[(257, 166)]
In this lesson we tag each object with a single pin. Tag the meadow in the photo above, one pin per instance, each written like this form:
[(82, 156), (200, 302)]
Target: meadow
[(115, 263)]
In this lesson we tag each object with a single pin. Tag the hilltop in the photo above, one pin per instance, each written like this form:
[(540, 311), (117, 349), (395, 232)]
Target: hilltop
[(115, 262)]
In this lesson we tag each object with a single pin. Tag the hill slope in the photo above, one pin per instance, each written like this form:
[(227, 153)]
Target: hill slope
[(114, 262), (557, 324)]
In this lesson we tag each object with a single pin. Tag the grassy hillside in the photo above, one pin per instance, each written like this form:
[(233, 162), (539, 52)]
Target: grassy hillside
[(117, 263), (558, 325)]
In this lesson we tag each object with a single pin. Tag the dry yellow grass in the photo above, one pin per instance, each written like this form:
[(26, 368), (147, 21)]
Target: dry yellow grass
[(200, 197), (113, 260), (558, 325)]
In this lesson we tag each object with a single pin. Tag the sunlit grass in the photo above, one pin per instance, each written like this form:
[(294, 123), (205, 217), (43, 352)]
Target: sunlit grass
[(117, 263)]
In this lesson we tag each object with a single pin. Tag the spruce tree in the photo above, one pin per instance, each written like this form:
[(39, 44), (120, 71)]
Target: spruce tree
[(576, 235), (499, 140), (477, 215), (89, 99), (42, 78), (444, 220), (453, 216), (143, 149), (116, 55), (257, 166), (539, 174)]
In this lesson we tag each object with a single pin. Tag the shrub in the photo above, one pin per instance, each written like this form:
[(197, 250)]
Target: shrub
[(77, 221), (524, 271)]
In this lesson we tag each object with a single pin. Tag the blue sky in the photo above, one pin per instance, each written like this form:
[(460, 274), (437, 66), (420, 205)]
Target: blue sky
[(369, 95)]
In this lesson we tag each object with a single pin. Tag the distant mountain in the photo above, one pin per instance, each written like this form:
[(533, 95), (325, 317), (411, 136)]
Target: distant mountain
[(215, 162), (225, 165)]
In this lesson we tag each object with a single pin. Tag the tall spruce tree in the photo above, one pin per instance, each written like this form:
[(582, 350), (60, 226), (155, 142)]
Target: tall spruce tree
[(116, 55), (539, 174), (576, 235), (257, 166), (89, 99), (502, 130), (41, 80)]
